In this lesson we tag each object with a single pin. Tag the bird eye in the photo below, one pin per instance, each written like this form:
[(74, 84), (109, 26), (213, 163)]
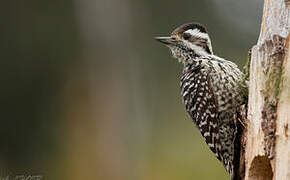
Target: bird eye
[(186, 36)]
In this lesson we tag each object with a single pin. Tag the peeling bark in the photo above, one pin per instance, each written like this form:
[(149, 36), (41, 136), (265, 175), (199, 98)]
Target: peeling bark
[(267, 151)]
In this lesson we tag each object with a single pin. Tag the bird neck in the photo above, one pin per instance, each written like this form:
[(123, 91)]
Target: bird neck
[(192, 63), (193, 59), (189, 56)]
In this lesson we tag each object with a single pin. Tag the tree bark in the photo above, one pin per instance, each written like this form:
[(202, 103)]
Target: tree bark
[(267, 147)]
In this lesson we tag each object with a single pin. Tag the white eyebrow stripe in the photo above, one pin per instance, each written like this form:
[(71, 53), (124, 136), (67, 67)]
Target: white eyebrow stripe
[(197, 33), (197, 49)]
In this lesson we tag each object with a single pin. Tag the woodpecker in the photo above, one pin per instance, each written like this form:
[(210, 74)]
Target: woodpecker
[(210, 88)]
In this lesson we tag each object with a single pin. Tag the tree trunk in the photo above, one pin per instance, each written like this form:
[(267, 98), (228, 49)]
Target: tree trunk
[(267, 148)]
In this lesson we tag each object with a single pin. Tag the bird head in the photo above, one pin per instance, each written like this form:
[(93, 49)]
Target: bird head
[(188, 39)]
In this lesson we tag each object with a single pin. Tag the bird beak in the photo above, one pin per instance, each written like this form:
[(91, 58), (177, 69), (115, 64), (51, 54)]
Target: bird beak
[(166, 40)]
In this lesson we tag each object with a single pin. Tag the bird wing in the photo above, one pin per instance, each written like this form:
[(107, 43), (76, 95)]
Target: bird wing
[(200, 102), (225, 78)]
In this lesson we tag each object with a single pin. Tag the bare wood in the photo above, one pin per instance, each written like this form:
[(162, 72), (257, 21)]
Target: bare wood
[(267, 152), (282, 161)]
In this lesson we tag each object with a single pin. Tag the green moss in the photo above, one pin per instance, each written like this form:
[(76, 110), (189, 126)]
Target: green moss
[(274, 80), (246, 68), (245, 81), (278, 83)]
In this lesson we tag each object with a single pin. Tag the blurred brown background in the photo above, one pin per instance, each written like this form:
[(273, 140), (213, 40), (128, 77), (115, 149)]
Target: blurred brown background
[(88, 94)]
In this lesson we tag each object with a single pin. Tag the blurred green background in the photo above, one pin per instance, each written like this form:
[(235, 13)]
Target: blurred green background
[(87, 93)]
